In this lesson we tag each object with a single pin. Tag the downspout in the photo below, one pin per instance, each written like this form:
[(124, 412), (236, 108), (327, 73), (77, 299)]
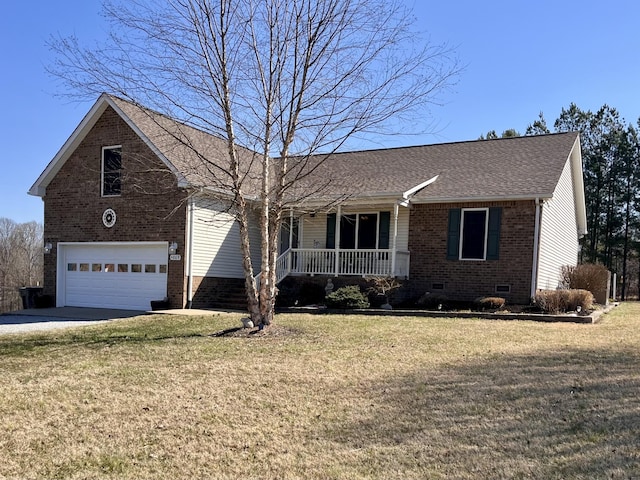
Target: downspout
[(536, 247), (190, 254)]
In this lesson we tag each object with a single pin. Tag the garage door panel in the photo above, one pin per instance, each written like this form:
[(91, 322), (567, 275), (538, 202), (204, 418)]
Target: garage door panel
[(105, 275)]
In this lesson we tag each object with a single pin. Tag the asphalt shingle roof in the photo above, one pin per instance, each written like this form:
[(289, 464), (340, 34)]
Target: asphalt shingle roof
[(179, 142), (520, 167), (510, 167)]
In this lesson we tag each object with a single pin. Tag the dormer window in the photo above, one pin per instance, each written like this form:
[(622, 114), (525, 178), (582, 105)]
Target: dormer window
[(111, 171)]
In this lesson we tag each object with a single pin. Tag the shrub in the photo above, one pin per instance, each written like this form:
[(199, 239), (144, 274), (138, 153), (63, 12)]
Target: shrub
[(287, 294), (291, 292), (432, 301), (311, 293), (561, 301), (490, 303), (588, 276), (347, 298), (383, 285)]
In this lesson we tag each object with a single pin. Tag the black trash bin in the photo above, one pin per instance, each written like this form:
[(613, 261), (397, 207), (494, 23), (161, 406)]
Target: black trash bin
[(29, 295)]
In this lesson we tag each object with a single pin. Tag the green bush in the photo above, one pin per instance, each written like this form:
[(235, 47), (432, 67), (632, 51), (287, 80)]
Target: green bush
[(347, 298), (562, 301)]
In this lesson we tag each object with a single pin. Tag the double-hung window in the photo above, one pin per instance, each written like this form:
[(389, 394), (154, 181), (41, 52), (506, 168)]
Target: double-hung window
[(474, 233), (111, 171)]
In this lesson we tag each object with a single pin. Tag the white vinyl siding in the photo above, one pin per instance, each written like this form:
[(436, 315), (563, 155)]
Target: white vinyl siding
[(558, 232), (315, 228), (216, 243), (314, 231)]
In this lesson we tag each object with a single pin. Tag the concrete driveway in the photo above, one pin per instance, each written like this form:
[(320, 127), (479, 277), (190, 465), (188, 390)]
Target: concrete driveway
[(49, 318)]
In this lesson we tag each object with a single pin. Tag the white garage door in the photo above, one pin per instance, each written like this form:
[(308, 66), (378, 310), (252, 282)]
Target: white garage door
[(125, 276)]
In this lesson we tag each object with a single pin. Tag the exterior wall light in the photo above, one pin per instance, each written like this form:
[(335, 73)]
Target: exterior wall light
[(47, 247), (173, 248)]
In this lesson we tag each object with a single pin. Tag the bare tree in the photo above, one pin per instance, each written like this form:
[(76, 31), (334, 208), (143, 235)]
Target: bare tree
[(281, 79), (21, 260)]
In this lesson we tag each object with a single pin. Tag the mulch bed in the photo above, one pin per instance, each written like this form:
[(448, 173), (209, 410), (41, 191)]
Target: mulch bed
[(273, 330)]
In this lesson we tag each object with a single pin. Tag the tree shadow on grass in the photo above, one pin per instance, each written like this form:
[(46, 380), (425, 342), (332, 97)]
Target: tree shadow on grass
[(564, 414), (109, 334), (119, 334)]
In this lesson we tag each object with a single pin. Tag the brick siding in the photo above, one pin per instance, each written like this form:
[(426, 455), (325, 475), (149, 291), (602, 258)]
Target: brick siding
[(214, 292), (150, 208), (467, 280)]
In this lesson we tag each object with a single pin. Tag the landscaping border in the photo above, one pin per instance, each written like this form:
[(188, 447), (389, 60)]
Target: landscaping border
[(591, 318)]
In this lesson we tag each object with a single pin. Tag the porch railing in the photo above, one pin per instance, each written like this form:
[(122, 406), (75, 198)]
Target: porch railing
[(283, 268), (350, 262), (312, 261)]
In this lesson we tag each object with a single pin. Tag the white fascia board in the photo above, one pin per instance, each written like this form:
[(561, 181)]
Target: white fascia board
[(575, 157), (510, 198), (417, 188), (363, 199), (39, 188)]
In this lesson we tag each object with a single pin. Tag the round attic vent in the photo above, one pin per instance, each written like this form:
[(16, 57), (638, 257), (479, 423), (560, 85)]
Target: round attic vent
[(109, 218)]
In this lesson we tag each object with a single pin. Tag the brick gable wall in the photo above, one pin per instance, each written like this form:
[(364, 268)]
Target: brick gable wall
[(151, 207), (467, 280)]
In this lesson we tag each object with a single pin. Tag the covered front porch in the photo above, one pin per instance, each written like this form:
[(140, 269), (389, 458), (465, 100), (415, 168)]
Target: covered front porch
[(354, 240)]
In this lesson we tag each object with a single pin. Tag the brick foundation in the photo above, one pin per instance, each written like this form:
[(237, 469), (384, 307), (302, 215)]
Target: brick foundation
[(212, 292)]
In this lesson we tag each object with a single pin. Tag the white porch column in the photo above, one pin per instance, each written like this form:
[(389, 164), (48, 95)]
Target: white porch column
[(290, 239), (394, 239), (336, 266)]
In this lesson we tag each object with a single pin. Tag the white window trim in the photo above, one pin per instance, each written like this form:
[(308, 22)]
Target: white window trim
[(486, 234), (357, 236), (109, 147)]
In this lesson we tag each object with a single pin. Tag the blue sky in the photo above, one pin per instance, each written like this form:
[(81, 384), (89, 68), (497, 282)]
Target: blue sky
[(521, 58)]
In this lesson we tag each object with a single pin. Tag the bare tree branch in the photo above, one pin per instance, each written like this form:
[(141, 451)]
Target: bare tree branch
[(284, 79)]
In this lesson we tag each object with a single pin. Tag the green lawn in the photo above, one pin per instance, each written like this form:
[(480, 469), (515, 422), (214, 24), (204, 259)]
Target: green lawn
[(324, 397)]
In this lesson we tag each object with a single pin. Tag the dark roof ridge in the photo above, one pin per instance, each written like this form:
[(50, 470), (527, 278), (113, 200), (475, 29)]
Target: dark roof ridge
[(455, 142)]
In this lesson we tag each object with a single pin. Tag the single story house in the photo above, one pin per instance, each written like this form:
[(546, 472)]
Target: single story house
[(128, 218)]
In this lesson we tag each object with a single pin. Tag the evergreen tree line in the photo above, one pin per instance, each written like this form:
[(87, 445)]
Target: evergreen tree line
[(611, 172)]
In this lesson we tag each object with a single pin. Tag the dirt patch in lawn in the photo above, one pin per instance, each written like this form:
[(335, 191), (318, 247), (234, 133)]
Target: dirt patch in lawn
[(271, 331)]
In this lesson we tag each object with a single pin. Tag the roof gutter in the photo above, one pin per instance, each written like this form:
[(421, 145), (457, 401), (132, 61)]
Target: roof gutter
[(495, 198)]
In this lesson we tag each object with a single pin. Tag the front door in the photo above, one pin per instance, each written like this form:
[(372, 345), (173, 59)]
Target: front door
[(285, 237)]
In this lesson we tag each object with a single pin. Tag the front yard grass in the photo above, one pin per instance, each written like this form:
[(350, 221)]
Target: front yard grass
[(342, 397)]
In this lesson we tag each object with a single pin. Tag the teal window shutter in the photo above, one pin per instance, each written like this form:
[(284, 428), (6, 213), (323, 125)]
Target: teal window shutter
[(493, 235), (331, 230), (453, 234), (384, 229)]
